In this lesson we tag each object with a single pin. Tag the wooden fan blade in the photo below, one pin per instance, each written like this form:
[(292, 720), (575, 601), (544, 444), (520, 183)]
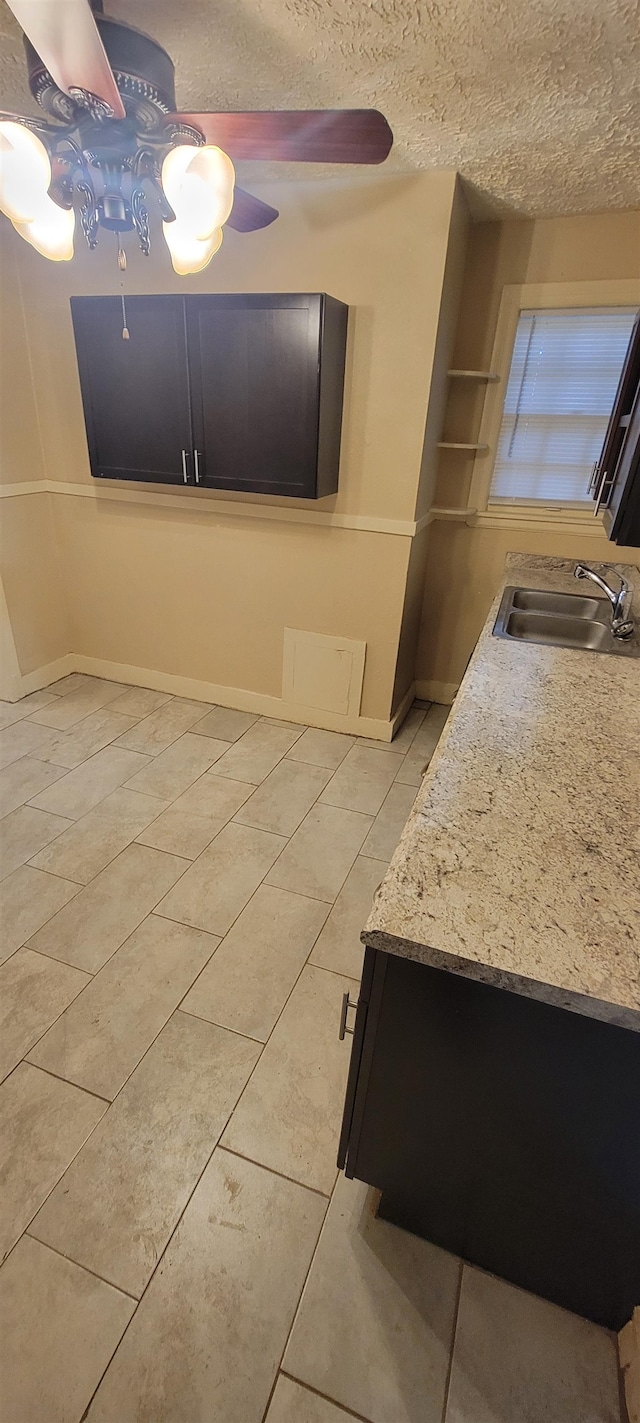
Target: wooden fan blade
[(249, 213), (64, 35), (331, 136)]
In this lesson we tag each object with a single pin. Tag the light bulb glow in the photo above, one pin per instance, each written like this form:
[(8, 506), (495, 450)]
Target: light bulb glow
[(51, 232), (25, 175), (198, 183), (189, 254), (25, 172)]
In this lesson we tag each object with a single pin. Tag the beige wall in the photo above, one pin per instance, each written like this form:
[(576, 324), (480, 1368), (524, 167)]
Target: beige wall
[(450, 305), (464, 564), (36, 629), (21, 455), (203, 595), (32, 582), (209, 600), (378, 244), (447, 324), (464, 568)]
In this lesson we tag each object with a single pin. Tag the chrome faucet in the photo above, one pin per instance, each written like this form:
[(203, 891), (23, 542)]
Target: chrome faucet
[(622, 625)]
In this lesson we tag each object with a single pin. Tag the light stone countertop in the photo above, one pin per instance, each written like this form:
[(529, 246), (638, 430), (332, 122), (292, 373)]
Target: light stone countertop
[(519, 865)]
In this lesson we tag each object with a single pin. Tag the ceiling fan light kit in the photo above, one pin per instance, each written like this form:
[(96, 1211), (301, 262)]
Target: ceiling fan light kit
[(112, 140), (25, 178)]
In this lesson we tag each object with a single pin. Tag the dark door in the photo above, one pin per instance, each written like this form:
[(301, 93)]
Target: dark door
[(254, 363), (136, 393)]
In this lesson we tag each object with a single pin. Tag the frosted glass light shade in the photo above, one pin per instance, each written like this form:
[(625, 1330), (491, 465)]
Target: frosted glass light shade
[(189, 254), (25, 172), (198, 183), (51, 232), (25, 175)]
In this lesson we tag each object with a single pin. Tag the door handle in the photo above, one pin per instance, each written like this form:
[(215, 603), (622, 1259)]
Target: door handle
[(196, 465), (184, 467)]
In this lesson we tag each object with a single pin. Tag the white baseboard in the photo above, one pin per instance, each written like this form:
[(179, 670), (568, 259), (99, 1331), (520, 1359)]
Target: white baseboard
[(405, 706), (238, 697), (443, 692), (43, 676)]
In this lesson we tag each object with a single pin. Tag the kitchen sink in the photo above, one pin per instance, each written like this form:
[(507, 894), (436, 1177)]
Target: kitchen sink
[(573, 605), (560, 620)]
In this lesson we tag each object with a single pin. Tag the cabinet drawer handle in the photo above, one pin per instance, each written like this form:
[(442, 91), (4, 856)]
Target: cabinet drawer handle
[(346, 1005), (184, 467), (196, 465)]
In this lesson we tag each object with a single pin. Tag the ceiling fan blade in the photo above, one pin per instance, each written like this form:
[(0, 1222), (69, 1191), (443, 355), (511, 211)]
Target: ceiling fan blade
[(309, 136), (249, 213), (64, 34)]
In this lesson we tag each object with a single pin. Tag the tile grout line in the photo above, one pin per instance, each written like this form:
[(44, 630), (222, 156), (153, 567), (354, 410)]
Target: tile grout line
[(177, 1008), (92, 978), (296, 1311), (188, 1012), (291, 991), (138, 1299), (125, 941), (84, 884), (231, 1150), (110, 1100), (454, 1331), (24, 1062), (289, 995), (344, 1407), (45, 1246), (188, 864), (135, 840), (216, 1147), (94, 974)]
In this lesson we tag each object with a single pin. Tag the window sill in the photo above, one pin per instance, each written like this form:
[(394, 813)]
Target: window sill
[(520, 516)]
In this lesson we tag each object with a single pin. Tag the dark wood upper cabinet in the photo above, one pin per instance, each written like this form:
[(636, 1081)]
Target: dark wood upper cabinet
[(136, 396), (238, 392)]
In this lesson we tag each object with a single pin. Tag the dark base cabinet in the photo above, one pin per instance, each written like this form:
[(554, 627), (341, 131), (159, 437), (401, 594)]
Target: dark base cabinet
[(238, 392), (502, 1129)]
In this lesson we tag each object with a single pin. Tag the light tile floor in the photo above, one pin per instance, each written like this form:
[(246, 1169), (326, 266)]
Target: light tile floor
[(181, 893)]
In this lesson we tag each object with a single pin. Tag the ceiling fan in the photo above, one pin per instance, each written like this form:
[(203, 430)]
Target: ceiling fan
[(116, 139)]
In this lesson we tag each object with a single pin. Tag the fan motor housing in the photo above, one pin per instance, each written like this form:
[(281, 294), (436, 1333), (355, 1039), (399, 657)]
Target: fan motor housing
[(143, 71)]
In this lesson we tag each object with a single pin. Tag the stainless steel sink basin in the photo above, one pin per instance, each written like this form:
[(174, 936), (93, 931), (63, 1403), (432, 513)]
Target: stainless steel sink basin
[(559, 620), (558, 630), (574, 605)]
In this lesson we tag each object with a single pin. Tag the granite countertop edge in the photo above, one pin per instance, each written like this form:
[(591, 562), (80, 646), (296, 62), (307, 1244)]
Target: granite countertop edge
[(425, 909)]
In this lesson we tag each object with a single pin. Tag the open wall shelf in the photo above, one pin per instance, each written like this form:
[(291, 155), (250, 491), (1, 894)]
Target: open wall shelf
[(474, 375), (460, 445)]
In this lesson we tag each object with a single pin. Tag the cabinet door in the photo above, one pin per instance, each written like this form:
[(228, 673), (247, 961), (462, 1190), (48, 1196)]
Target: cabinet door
[(254, 363), (135, 393)]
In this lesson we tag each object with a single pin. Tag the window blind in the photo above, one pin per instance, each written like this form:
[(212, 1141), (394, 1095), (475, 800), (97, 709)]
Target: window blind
[(564, 374)]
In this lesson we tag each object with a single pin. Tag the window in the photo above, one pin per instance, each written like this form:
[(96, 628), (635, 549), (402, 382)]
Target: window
[(562, 384)]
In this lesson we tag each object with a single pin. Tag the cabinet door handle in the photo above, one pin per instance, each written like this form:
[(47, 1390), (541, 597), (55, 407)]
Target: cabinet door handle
[(184, 467), (196, 465), (604, 492), (346, 1005)]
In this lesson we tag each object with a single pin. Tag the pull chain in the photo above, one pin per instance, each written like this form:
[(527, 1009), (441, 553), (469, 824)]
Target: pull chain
[(122, 263)]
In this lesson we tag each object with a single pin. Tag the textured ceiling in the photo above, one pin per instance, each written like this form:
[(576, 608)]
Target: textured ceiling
[(537, 105)]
